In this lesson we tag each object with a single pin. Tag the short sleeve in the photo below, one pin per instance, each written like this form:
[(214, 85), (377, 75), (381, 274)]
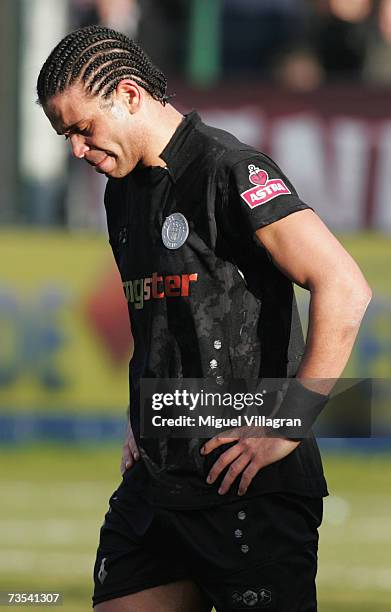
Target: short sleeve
[(261, 191)]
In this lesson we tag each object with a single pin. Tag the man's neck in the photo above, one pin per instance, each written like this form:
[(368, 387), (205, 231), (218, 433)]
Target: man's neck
[(166, 121)]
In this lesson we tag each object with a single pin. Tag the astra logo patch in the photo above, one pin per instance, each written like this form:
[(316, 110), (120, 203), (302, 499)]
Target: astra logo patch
[(264, 189), (157, 287)]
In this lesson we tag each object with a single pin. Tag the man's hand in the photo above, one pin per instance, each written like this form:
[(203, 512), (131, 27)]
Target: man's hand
[(247, 457), (130, 453)]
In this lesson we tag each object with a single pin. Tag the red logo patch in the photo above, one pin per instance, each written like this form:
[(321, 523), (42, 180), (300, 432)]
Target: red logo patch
[(257, 176), (265, 189)]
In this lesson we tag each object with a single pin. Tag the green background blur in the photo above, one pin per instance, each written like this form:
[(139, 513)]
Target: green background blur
[(54, 497), (54, 500)]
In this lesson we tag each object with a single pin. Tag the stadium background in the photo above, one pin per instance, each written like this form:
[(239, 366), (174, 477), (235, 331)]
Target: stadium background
[(306, 81)]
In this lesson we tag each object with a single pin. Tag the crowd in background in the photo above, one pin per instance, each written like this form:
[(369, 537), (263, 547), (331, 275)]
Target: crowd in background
[(300, 45)]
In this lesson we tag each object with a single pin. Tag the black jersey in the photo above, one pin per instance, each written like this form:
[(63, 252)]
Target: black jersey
[(215, 306)]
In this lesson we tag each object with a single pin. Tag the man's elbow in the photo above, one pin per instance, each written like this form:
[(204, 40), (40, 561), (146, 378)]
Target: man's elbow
[(363, 293), (368, 294), (357, 298), (346, 296)]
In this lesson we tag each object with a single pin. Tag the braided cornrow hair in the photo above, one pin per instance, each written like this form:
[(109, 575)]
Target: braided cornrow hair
[(99, 58)]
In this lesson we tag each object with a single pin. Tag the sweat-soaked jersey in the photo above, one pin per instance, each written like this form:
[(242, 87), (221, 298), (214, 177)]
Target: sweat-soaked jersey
[(215, 306)]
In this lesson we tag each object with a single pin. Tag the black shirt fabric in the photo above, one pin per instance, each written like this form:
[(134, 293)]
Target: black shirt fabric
[(214, 307)]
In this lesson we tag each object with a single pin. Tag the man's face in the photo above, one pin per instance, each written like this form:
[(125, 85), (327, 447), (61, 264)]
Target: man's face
[(106, 135)]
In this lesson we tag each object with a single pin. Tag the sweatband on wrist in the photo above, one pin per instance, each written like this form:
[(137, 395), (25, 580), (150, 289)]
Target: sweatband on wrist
[(299, 403)]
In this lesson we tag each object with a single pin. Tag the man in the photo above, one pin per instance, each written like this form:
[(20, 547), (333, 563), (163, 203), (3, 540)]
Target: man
[(208, 235)]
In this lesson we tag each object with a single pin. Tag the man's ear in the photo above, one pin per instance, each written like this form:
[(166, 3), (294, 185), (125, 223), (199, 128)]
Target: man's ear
[(130, 92)]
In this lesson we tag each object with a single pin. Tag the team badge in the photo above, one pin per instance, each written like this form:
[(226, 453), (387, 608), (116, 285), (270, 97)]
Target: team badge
[(175, 231), (264, 189)]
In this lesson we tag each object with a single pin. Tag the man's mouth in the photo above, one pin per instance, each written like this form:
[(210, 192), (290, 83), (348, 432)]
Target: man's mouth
[(100, 160), (94, 161), (98, 165)]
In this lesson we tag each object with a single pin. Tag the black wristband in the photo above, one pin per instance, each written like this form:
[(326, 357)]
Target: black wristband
[(299, 403)]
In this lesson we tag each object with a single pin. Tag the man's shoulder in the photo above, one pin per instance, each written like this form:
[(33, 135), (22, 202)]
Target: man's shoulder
[(227, 150)]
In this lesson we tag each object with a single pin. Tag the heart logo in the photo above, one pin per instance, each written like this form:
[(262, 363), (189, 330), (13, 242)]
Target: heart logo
[(257, 176)]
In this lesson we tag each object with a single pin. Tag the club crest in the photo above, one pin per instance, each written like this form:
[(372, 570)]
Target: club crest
[(175, 231)]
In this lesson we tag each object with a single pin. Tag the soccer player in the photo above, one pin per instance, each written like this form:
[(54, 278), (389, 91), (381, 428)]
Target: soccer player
[(208, 235)]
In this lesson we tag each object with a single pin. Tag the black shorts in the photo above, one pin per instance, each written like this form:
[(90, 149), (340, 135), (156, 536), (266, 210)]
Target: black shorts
[(251, 554)]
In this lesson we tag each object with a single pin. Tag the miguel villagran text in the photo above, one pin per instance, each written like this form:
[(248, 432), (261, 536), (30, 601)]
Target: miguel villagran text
[(224, 423)]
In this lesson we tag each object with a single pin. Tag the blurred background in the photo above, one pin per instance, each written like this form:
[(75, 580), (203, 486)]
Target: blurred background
[(306, 81)]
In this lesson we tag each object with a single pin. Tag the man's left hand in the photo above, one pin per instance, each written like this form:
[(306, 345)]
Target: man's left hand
[(246, 457)]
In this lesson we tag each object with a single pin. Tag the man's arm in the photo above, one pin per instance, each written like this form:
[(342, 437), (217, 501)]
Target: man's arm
[(304, 249)]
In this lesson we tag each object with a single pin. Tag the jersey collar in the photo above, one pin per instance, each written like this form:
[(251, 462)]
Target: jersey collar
[(182, 149)]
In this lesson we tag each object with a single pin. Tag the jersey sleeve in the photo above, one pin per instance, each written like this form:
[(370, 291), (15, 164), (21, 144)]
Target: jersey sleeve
[(260, 192)]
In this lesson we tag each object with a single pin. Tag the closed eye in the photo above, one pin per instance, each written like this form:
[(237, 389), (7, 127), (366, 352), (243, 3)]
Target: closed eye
[(82, 132)]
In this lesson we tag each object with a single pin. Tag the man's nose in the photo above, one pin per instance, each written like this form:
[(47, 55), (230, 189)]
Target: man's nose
[(79, 147)]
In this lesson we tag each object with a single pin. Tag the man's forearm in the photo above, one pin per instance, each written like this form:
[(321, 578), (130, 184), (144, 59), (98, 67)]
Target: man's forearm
[(334, 320)]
